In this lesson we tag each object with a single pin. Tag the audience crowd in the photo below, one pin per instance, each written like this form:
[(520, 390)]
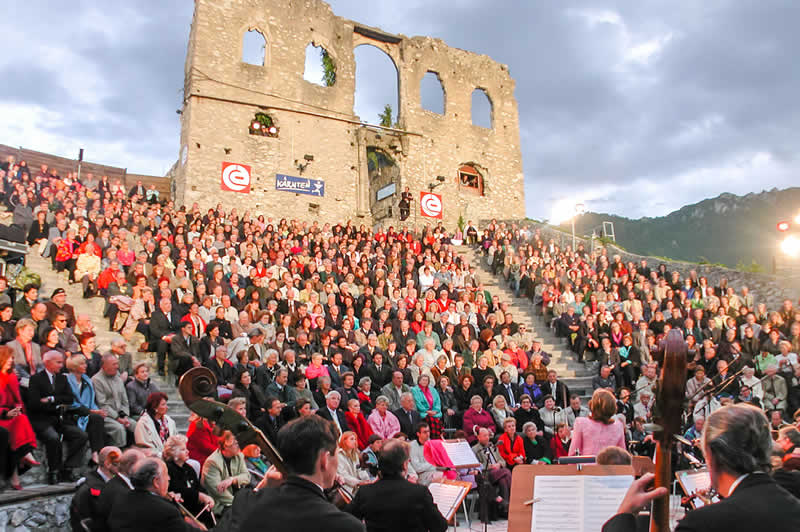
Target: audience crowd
[(385, 334)]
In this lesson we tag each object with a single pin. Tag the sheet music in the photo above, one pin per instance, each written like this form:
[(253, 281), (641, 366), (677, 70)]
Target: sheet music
[(460, 453), (446, 497), (597, 498), (696, 481)]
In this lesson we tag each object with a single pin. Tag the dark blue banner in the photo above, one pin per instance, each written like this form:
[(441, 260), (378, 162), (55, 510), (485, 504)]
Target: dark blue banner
[(300, 185)]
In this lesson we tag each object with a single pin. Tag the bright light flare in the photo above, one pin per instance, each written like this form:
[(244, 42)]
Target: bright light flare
[(563, 210), (791, 246), (783, 226), (797, 219)]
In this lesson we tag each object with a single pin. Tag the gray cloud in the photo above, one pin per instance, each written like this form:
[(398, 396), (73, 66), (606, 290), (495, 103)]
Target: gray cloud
[(636, 108)]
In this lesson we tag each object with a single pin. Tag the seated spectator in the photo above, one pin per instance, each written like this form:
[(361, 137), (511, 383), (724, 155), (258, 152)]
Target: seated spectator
[(87, 269), (88, 348), (601, 430), (407, 414), (493, 468), (395, 389), (271, 421), (139, 389), (510, 445), (88, 416), (383, 422), (184, 350), (201, 439), (560, 442), (429, 405), (21, 438), (477, 418), (301, 390), (357, 423), (225, 472), (27, 356), (552, 416), (182, 476), (348, 470), (500, 411), (155, 426), (424, 470), (536, 449), (47, 392), (256, 399), (112, 398), (279, 388)]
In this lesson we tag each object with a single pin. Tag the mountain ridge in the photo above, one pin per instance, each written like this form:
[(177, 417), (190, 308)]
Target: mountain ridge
[(727, 229)]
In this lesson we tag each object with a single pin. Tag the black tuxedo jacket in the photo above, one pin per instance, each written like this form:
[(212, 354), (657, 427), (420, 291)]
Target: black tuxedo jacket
[(500, 389), (115, 489), (758, 503), (403, 338), (162, 325), (276, 510), (270, 429), (408, 426), (138, 510), (43, 415), (379, 376), (394, 503), (324, 413)]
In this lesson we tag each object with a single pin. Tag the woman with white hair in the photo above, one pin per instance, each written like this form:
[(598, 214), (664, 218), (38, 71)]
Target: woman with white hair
[(737, 445), (183, 476)]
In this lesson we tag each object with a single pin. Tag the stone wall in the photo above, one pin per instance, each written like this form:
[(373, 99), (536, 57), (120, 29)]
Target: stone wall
[(43, 514), (222, 95), (769, 289)]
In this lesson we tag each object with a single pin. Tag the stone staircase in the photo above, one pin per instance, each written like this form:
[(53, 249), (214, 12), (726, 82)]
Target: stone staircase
[(563, 360), (93, 308)]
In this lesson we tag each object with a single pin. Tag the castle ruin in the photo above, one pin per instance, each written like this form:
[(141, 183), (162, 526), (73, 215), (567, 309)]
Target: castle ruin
[(260, 137)]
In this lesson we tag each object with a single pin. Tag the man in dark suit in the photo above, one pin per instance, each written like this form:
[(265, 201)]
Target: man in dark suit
[(336, 369), (164, 324), (331, 412), (737, 444), (385, 504), (308, 448), (49, 395), (556, 388), (146, 506), (507, 389), (380, 373), (270, 422), (369, 351), (87, 496), (184, 350), (407, 415), (115, 489)]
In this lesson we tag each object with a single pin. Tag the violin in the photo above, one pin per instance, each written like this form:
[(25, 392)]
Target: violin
[(187, 516)]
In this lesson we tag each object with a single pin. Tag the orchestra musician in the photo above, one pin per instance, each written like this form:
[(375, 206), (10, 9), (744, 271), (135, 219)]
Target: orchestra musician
[(737, 444)]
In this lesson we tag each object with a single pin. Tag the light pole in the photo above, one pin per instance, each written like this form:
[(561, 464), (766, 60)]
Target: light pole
[(580, 208)]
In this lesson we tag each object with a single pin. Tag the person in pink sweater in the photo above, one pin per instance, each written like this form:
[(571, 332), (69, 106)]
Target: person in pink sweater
[(592, 434)]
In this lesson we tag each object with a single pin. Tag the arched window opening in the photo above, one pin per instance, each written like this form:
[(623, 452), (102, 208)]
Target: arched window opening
[(470, 178), (320, 68), (431, 93), (482, 110), (254, 48), (377, 81)]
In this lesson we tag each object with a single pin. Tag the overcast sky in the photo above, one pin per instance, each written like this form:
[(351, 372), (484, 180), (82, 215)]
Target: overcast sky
[(634, 108)]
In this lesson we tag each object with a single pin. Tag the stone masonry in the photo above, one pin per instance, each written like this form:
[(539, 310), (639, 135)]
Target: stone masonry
[(222, 95)]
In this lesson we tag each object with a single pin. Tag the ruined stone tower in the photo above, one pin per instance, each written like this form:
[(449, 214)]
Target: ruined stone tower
[(261, 138)]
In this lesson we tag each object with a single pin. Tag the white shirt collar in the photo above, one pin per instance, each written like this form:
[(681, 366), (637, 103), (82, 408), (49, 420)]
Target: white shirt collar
[(736, 483)]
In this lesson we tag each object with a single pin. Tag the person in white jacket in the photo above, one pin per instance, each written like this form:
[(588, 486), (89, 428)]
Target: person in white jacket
[(155, 426)]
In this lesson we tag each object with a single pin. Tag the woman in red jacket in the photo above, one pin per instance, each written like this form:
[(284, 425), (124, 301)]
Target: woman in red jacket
[(510, 445), (22, 440), (358, 423)]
